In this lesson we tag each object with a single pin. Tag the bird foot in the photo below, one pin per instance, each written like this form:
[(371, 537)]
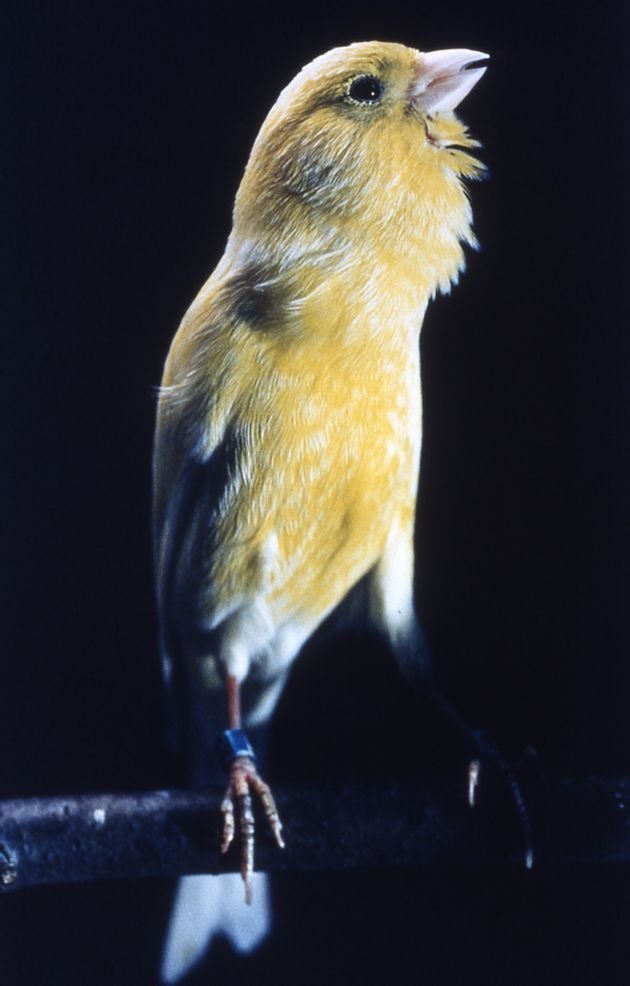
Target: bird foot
[(237, 803), (484, 752)]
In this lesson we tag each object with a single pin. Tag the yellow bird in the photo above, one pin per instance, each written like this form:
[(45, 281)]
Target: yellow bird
[(289, 422)]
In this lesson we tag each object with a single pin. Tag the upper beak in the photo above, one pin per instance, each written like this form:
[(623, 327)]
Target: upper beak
[(443, 79)]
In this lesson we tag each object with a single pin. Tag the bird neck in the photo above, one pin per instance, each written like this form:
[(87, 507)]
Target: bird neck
[(399, 240), (395, 265)]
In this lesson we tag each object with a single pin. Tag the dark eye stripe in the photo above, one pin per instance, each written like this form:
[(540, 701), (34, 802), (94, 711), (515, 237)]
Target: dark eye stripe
[(366, 89)]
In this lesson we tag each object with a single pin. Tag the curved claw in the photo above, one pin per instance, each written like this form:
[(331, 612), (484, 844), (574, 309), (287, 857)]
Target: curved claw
[(243, 779), (474, 768)]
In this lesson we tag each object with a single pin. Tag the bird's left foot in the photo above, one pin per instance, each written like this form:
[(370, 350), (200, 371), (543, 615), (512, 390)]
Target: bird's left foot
[(237, 802), (484, 752)]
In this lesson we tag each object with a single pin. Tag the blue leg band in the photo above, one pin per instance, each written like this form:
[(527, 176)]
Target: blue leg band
[(233, 743)]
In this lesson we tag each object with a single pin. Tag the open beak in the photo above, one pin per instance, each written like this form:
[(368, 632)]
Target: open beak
[(443, 78)]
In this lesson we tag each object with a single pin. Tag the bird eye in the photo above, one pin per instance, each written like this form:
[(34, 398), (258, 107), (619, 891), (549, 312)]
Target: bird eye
[(366, 89)]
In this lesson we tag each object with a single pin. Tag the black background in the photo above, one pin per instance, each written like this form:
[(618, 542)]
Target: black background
[(126, 128)]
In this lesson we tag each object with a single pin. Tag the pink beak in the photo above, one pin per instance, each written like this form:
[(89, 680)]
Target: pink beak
[(443, 79)]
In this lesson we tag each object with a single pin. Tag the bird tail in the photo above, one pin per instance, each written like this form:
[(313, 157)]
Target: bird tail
[(206, 906)]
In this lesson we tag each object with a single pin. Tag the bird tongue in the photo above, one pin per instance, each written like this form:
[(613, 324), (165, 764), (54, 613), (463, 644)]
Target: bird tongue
[(444, 78)]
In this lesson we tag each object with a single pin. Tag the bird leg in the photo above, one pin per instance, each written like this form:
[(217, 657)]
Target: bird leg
[(238, 755)]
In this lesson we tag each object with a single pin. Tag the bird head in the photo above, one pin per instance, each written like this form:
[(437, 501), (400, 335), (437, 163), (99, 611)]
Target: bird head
[(364, 135)]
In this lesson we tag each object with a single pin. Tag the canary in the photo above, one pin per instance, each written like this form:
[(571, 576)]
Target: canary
[(289, 422)]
